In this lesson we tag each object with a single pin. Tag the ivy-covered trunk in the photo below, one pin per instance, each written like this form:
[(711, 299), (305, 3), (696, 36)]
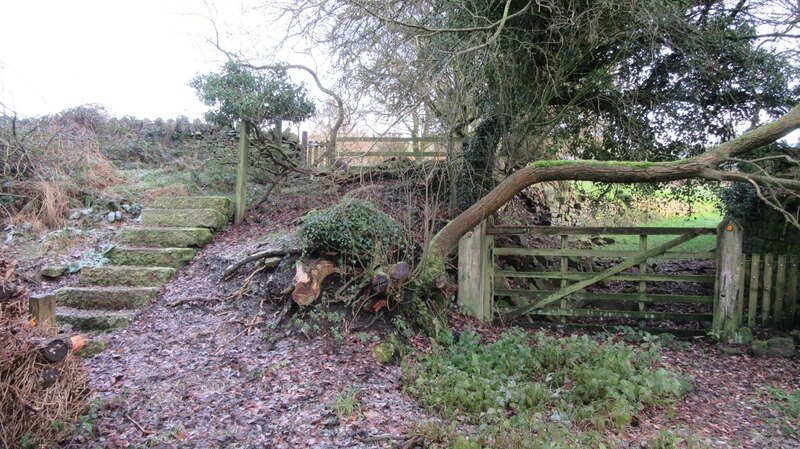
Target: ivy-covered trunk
[(475, 173)]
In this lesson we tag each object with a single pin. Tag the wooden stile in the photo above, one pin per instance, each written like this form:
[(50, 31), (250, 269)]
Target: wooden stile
[(752, 305), (780, 290), (766, 293), (791, 295)]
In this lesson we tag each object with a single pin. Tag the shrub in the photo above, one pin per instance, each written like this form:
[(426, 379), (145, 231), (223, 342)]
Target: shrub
[(49, 163), (356, 229), (518, 394)]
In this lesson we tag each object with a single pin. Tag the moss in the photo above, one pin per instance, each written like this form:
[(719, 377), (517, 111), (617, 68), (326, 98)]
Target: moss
[(92, 348), (431, 267), (592, 163), (384, 353)]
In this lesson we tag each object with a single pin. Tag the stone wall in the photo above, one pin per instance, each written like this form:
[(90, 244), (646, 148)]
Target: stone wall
[(767, 231)]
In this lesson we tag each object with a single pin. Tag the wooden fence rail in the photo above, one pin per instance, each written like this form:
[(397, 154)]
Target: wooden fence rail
[(760, 289)]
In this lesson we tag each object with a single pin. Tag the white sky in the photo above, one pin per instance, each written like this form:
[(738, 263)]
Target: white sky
[(133, 57)]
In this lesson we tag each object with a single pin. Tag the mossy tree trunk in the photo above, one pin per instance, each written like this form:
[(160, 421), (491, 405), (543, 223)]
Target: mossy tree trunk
[(705, 166)]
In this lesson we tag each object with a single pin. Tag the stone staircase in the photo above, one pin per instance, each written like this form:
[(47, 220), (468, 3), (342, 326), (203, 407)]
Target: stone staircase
[(167, 238)]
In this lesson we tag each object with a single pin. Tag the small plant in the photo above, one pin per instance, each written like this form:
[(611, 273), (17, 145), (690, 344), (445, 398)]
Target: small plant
[(255, 374), (787, 404), (356, 229), (346, 403), (669, 440), (523, 392)]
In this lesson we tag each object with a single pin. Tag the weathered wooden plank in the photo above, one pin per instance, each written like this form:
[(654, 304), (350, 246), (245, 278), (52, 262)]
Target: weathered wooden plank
[(766, 293), (628, 297), (680, 333), (487, 260), (791, 295), (389, 139), (729, 259), (386, 154), (603, 275), (608, 254), (752, 304), (642, 270), (700, 279), (42, 308), (780, 289), (595, 230), (470, 274), (564, 270), (623, 314), (741, 291), (241, 173)]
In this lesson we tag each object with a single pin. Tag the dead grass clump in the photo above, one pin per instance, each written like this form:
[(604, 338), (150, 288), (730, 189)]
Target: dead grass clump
[(39, 402), (48, 164)]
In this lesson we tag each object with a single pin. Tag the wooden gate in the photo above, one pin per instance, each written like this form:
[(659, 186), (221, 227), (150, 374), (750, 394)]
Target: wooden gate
[(562, 281)]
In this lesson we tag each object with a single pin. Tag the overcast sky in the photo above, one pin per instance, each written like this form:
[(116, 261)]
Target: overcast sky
[(133, 57)]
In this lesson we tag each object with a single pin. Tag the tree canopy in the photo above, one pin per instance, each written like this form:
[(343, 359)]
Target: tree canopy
[(263, 96)]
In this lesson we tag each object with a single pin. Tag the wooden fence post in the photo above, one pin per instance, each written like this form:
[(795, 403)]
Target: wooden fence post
[(42, 308), (241, 173), (726, 295), (304, 149), (473, 280)]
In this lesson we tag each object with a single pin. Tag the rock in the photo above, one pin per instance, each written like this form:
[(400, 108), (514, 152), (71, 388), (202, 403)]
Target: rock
[(743, 336), (75, 215), (126, 207), (774, 347), (384, 353), (92, 348), (731, 350), (53, 271), (111, 216), (796, 335)]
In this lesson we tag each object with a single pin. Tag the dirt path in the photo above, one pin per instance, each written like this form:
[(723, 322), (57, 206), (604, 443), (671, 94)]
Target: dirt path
[(189, 376)]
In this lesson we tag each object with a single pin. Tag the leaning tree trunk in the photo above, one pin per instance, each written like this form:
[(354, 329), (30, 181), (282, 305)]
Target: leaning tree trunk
[(704, 166), (475, 177)]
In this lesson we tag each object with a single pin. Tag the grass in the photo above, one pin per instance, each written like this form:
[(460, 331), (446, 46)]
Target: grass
[(346, 403), (677, 206), (543, 392), (786, 404), (703, 243)]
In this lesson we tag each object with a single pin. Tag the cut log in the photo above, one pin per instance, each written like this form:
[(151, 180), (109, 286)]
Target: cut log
[(270, 253), (49, 377), (400, 272), (308, 280), (380, 282), (57, 350)]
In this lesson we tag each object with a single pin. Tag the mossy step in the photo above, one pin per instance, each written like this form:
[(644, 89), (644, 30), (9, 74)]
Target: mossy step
[(221, 204), (165, 237), (125, 275), (184, 218), (108, 298), (151, 257), (94, 320)]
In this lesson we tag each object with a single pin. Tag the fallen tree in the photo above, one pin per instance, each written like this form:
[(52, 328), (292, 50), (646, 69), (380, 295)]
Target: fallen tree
[(720, 163)]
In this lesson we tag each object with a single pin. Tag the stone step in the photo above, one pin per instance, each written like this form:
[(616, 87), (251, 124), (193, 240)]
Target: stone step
[(126, 275), (151, 257), (108, 298), (184, 218), (94, 320), (165, 237), (221, 204)]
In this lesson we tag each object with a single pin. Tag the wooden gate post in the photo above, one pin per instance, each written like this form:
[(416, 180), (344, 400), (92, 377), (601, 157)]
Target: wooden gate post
[(726, 320), (42, 309), (241, 173), (474, 276)]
